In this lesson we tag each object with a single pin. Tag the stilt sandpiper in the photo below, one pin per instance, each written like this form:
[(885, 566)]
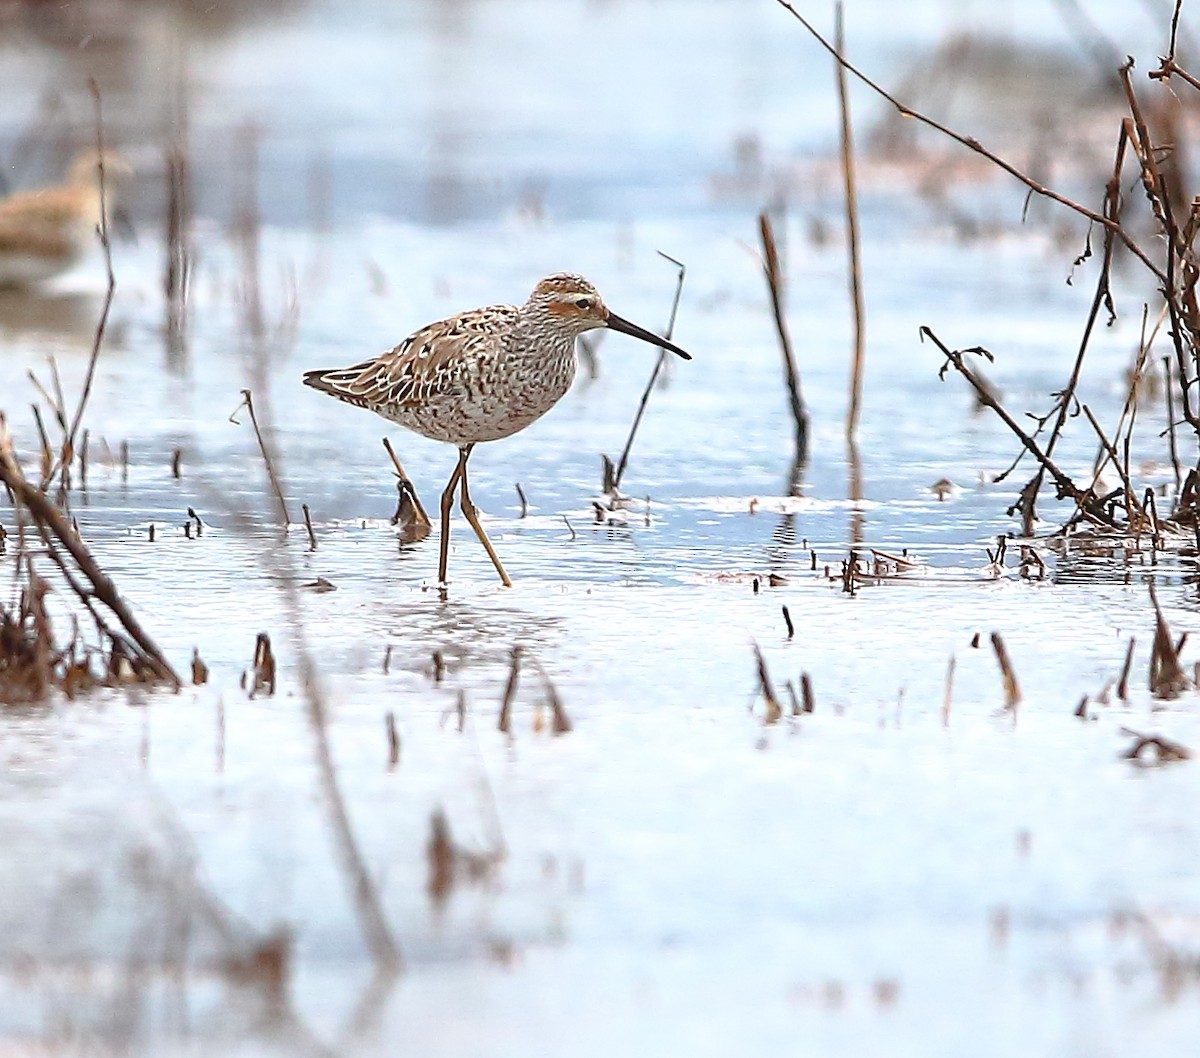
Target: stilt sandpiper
[(480, 376)]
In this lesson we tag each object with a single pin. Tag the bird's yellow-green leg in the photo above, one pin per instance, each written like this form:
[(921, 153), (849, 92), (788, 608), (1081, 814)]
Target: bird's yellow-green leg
[(447, 503), (468, 509)]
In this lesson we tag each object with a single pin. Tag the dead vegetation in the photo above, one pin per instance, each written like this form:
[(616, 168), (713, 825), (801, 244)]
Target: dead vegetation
[(34, 660), (1159, 239)]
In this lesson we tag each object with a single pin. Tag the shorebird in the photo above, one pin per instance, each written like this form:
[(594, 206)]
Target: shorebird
[(480, 376), (46, 231)]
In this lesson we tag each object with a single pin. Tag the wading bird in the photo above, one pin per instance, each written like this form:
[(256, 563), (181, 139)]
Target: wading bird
[(480, 376), (45, 231)]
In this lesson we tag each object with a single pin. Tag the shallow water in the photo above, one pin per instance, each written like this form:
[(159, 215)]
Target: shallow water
[(883, 875)]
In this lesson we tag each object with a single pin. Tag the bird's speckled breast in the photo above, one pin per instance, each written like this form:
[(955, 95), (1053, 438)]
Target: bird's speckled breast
[(497, 392)]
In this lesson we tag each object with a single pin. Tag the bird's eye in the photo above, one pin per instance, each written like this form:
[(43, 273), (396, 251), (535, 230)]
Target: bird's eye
[(584, 303)]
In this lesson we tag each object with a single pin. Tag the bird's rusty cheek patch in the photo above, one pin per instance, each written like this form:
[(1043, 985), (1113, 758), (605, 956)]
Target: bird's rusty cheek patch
[(563, 308)]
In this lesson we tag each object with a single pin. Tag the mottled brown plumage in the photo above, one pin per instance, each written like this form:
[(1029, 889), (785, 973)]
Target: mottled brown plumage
[(481, 375)]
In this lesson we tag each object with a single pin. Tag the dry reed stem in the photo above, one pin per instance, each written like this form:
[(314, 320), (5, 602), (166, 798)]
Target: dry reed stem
[(312, 536), (791, 372), (1123, 682), (102, 323), (562, 723), (393, 740), (276, 487), (264, 666), (55, 531), (852, 242), (504, 722), (1171, 442), (199, 669), (1167, 678), (1012, 691), (410, 514), (774, 709)]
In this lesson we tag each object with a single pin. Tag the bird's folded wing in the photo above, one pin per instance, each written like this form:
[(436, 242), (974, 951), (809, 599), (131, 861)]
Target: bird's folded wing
[(431, 363)]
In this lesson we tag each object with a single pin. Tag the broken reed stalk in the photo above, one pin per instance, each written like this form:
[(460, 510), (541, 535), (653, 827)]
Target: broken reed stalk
[(264, 666), (510, 690), (312, 537), (106, 305), (1012, 691), (524, 501), (791, 373), (410, 515), (658, 366), (1123, 682), (774, 709), (852, 243), (277, 488), (393, 740), (1167, 678), (199, 669), (806, 692), (56, 532), (562, 723)]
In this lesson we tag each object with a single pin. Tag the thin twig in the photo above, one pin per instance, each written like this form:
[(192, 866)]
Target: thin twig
[(955, 357), (974, 145), (102, 323), (658, 366), (248, 401)]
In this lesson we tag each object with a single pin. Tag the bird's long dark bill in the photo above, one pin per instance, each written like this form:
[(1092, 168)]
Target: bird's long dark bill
[(625, 327)]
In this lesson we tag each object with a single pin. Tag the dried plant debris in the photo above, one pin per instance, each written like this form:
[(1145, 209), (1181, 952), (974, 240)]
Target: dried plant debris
[(1143, 155), (264, 667), (199, 669), (1012, 690), (766, 689), (1149, 751), (33, 661), (1167, 678), (410, 519), (560, 722), (450, 864)]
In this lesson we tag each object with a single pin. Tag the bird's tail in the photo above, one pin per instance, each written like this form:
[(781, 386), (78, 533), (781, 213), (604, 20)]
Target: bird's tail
[(338, 382)]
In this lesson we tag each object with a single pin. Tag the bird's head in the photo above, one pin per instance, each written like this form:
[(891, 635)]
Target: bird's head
[(571, 302)]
